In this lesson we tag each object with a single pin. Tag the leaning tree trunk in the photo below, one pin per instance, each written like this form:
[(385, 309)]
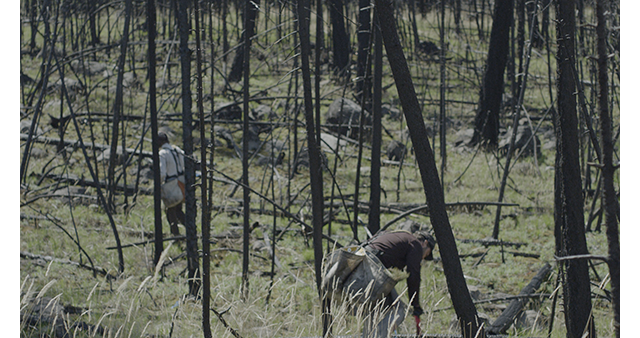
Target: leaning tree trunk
[(608, 170), (487, 121), (187, 139), (237, 67), (339, 37), (462, 303), (569, 213)]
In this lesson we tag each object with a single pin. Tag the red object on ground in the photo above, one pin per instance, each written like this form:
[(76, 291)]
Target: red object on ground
[(417, 325)]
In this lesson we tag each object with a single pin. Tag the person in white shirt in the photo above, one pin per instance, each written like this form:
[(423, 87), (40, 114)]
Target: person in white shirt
[(172, 167)]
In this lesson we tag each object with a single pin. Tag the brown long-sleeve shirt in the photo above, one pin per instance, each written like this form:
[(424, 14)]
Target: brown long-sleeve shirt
[(401, 249)]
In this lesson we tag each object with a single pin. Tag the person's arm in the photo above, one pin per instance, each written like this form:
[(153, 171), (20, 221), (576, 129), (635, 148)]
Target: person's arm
[(163, 166), (413, 268)]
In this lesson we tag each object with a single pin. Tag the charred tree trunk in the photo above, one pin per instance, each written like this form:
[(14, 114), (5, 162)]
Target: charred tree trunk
[(443, 91), (95, 39), (246, 198), (376, 145), (502, 323), (608, 169), (569, 213), (206, 216), (237, 67), (465, 310), (339, 36), (117, 107), (33, 18), (187, 139), (315, 166), (487, 122), (363, 84), (151, 59)]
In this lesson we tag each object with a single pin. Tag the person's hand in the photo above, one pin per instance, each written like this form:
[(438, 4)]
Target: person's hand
[(417, 311)]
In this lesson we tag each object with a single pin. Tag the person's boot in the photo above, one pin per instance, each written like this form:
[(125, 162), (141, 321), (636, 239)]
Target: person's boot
[(174, 229)]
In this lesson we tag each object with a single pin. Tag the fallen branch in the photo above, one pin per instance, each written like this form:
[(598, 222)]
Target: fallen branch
[(568, 258), (72, 143), (493, 242), (99, 270), (224, 322), (504, 321)]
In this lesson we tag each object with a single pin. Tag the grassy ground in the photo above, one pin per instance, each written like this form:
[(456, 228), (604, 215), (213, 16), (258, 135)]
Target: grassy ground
[(148, 302)]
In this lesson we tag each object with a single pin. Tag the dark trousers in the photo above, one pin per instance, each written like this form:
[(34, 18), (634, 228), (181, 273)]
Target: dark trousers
[(175, 216)]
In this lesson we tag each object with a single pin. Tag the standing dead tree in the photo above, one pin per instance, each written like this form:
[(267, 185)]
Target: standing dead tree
[(118, 106), (206, 215), (250, 14), (487, 121), (339, 37), (569, 213), (608, 169), (187, 139), (151, 59), (465, 310)]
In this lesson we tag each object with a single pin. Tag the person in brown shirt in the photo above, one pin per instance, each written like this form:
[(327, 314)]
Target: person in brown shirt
[(402, 249)]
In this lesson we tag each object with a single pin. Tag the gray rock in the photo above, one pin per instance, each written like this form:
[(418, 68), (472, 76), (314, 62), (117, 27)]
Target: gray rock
[(25, 125), (90, 68), (263, 112), (228, 111), (396, 151), (343, 117), (463, 137), (522, 143), (530, 319)]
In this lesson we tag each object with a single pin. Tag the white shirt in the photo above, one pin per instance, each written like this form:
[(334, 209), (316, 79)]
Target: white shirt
[(168, 156)]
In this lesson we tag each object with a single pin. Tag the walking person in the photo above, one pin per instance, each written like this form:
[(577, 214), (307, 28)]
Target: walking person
[(172, 178)]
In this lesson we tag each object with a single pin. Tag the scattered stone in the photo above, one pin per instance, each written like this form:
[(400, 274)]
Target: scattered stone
[(228, 111), (530, 319), (396, 151), (25, 125), (343, 117), (264, 112), (463, 137), (523, 144), (90, 68)]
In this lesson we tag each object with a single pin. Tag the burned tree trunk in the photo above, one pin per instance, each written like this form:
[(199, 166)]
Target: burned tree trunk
[(151, 58), (339, 36), (246, 70), (315, 166), (206, 216), (363, 84), (487, 121), (569, 213), (502, 323), (376, 145), (608, 169), (189, 165), (117, 106), (465, 310), (237, 67)]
